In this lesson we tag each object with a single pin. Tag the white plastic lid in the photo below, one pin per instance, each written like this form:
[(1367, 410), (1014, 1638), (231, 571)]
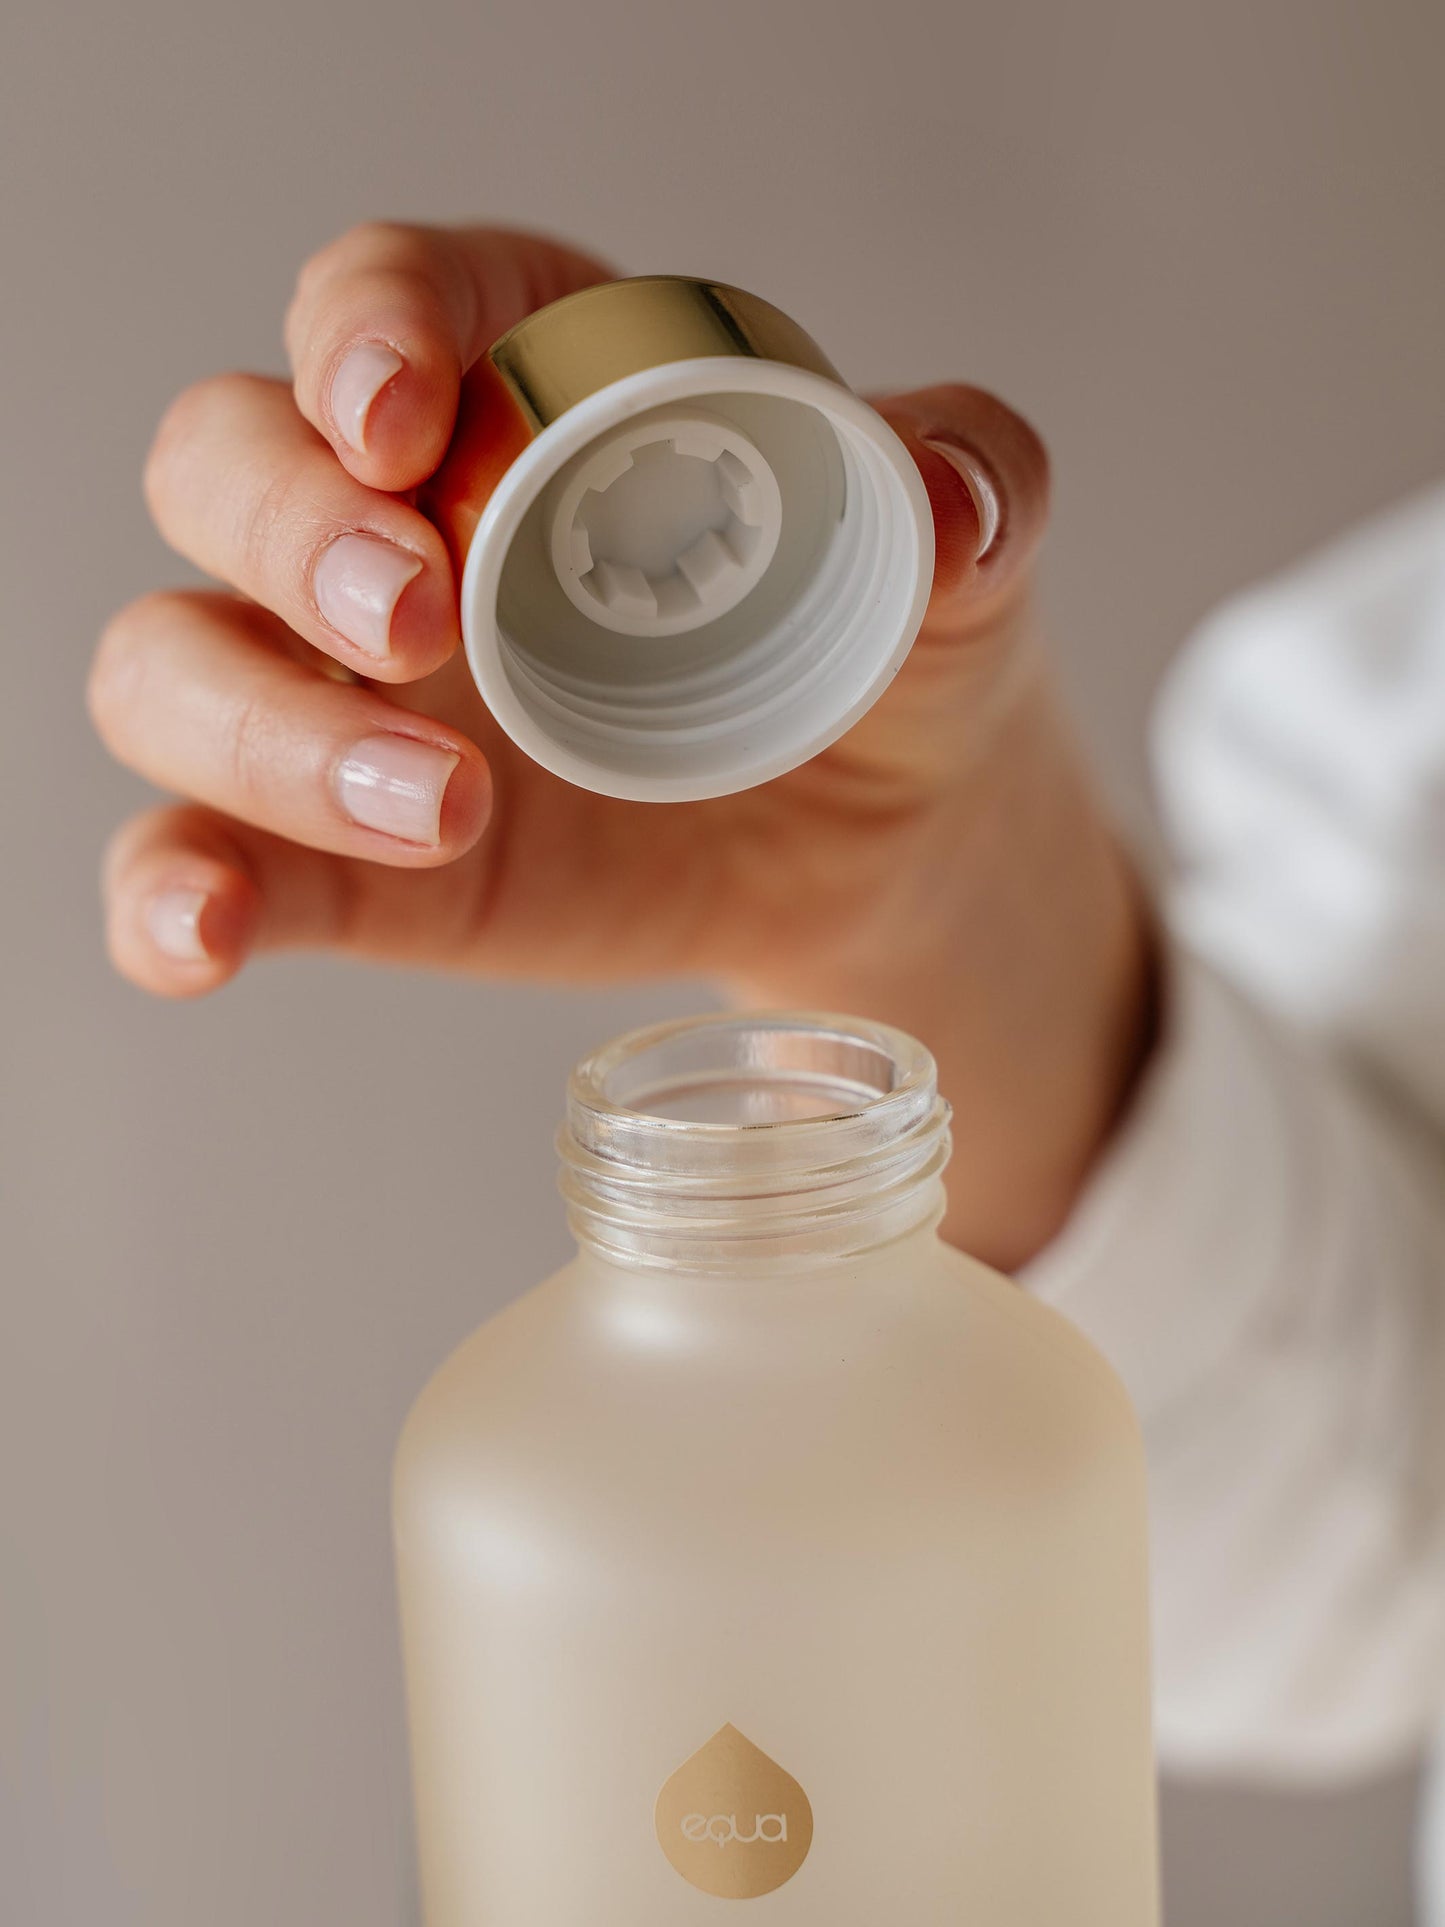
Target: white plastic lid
[(697, 578)]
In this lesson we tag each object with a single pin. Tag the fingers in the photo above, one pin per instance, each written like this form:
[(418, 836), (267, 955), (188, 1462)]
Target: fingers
[(386, 320), (241, 486), (987, 475), (181, 904), (190, 895), (200, 694)]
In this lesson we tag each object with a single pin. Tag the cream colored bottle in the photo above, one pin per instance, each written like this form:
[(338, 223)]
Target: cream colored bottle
[(773, 1550)]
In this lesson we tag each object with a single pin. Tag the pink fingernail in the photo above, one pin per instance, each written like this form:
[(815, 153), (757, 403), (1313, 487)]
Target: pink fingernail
[(356, 384), (174, 922), (396, 785), (358, 583), (979, 483)]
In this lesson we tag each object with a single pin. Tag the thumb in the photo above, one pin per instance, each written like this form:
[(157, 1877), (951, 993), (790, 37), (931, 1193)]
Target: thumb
[(987, 476)]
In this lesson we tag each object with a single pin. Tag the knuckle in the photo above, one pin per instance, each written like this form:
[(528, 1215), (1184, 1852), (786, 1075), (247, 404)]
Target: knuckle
[(118, 665), (366, 244), (198, 434), (254, 741), (278, 535), (386, 287), (173, 432), (376, 239), (193, 414)]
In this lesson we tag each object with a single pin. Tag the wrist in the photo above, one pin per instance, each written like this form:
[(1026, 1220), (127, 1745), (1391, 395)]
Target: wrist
[(1013, 937)]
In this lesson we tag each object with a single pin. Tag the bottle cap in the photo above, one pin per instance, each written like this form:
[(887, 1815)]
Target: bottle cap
[(705, 558)]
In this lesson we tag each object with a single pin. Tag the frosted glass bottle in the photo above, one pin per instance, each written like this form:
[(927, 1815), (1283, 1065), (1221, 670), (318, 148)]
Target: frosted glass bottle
[(773, 1547)]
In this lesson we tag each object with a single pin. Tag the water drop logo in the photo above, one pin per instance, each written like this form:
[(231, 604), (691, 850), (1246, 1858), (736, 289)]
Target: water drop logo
[(732, 1822)]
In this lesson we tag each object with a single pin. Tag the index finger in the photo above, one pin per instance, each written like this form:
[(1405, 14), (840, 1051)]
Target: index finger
[(387, 319)]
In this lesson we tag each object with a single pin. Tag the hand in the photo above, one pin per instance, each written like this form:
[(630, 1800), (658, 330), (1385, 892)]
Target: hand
[(946, 866)]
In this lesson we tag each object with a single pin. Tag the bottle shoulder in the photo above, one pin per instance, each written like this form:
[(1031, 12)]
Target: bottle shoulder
[(1044, 1333), (943, 1389), (941, 1311)]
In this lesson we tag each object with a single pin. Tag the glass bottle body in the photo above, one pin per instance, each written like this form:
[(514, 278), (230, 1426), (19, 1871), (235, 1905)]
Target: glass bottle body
[(877, 1513)]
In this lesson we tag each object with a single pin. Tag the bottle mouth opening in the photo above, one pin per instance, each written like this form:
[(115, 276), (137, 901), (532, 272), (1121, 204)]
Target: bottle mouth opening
[(787, 1129)]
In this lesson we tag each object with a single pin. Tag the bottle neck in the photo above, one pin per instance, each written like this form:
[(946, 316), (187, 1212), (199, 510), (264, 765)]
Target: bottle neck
[(753, 1142)]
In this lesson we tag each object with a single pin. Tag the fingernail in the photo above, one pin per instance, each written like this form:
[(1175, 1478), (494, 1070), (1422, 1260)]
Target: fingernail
[(357, 584), (979, 483), (396, 785), (174, 922), (356, 384)]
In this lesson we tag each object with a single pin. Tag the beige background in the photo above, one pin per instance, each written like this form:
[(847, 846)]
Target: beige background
[(1202, 247)]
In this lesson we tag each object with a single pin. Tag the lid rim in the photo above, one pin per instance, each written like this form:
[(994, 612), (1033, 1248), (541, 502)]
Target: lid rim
[(604, 409)]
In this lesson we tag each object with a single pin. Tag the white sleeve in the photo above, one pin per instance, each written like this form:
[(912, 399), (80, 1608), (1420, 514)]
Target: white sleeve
[(1300, 755), (1262, 1253), (1261, 1258)]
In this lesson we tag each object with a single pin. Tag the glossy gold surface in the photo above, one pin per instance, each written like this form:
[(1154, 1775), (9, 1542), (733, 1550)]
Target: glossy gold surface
[(566, 352)]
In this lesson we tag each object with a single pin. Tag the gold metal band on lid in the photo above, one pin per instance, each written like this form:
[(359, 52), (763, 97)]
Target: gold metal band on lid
[(586, 341)]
